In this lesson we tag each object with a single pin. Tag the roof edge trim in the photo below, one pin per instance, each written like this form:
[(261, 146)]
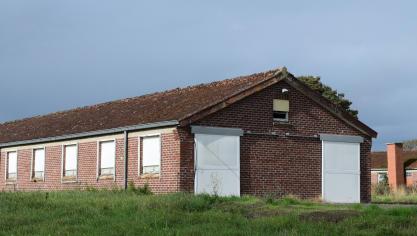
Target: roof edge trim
[(341, 138)]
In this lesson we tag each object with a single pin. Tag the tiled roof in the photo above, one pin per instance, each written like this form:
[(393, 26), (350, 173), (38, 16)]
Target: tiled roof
[(379, 160), (174, 104), (184, 105)]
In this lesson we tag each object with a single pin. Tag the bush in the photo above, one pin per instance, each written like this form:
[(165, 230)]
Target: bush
[(381, 188), (145, 190)]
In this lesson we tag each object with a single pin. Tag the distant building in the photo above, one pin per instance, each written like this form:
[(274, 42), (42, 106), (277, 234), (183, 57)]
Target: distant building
[(396, 165)]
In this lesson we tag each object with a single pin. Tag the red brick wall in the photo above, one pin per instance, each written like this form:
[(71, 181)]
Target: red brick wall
[(168, 181), (374, 178), (411, 180), (276, 164)]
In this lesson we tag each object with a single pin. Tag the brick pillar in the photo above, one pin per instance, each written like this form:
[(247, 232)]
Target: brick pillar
[(395, 165)]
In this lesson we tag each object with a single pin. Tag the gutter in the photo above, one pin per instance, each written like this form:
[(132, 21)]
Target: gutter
[(92, 133)]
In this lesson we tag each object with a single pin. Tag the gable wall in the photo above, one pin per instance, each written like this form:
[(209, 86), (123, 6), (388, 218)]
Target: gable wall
[(276, 164)]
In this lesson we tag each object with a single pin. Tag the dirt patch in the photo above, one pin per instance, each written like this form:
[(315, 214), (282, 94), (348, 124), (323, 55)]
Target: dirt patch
[(329, 216)]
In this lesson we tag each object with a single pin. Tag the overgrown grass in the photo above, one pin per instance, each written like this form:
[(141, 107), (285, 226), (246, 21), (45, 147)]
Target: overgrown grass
[(130, 213), (382, 193)]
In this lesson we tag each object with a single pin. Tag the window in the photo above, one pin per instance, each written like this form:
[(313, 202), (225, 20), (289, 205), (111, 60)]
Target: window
[(38, 164), (281, 105), (382, 178), (107, 158), (408, 173), (70, 162), (151, 154), (11, 174), (280, 116), (281, 109)]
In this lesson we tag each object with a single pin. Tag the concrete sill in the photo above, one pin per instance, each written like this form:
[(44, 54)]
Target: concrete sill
[(104, 177), (286, 123), (150, 176), (68, 180), (10, 182), (37, 180)]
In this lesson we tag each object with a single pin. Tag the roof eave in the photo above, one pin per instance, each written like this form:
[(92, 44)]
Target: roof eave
[(92, 133)]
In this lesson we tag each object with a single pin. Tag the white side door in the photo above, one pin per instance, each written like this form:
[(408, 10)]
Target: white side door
[(341, 172), (217, 163)]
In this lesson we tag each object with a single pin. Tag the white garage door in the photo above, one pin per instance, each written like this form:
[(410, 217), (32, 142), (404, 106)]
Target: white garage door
[(217, 164), (341, 171)]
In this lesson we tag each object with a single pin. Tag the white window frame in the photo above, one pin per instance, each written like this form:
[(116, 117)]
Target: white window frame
[(63, 157), (32, 165), (286, 119), (140, 138), (380, 173), (98, 174), (6, 172)]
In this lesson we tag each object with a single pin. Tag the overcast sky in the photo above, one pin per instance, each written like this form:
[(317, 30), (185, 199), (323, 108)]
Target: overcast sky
[(56, 55)]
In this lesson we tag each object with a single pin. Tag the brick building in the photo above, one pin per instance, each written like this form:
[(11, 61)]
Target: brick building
[(265, 133), (396, 166)]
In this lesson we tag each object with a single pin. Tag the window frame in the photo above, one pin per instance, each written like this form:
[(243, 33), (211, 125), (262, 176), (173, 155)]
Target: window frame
[(284, 97), (140, 155), (378, 179), (66, 179), (32, 168), (6, 174), (98, 174), (286, 119)]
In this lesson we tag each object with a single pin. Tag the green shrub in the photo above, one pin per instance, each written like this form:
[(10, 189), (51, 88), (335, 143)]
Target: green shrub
[(91, 189), (131, 187), (270, 198), (145, 190)]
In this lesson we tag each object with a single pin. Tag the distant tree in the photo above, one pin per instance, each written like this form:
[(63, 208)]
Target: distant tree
[(326, 91), (410, 145)]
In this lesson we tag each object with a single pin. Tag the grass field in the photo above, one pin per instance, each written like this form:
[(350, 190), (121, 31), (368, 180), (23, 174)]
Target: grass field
[(395, 198), (128, 213)]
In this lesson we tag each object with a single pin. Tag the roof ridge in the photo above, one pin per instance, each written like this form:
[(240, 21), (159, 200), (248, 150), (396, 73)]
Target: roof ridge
[(207, 84)]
